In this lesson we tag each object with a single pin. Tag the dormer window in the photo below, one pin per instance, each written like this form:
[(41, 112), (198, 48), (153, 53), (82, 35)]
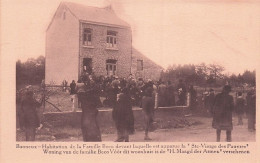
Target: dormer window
[(111, 39), (87, 37)]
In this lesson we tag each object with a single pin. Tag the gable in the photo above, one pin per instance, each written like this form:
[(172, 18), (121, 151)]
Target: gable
[(95, 14)]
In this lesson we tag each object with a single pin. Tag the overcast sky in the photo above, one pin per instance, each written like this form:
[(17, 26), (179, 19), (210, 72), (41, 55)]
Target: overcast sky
[(167, 31)]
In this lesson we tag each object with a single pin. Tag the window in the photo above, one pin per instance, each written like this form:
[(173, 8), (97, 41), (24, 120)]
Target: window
[(64, 15), (139, 65), (87, 37), (111, 67), (111, 39)]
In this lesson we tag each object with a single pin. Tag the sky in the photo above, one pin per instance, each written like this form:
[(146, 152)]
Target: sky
[(225, 32)]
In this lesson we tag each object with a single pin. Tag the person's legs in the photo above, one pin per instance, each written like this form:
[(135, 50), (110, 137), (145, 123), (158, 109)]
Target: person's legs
[(84, 134), (228, 133), (250, 122), (218, 135), (120, 134), (240, 120), (73, 101), (147, 126)]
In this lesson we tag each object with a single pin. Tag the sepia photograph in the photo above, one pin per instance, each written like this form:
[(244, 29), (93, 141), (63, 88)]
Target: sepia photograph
[(148, 71), (96, 82)]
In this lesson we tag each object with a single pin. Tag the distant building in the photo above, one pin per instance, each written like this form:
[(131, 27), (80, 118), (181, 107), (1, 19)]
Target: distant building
[(89, 39)]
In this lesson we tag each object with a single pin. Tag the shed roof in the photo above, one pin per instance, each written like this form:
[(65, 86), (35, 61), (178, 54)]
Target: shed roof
[(94, 14)]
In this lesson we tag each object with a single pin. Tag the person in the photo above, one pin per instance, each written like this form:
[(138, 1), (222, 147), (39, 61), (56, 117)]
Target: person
[(181, 93), (240, 107), (222, 113), (73, 93), (162, 99), (170, 94), (122, 115), (64, 84), (88, 97), (251, 110), (29, 112), (80, 90), (193, 97), (19, 115), (209, 101), (148, 109)]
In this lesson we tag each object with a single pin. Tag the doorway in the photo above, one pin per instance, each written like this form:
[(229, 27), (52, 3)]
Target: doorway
[(87, 65), (111, 67)]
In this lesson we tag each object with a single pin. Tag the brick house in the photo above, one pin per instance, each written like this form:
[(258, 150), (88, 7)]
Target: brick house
[(89, 39)]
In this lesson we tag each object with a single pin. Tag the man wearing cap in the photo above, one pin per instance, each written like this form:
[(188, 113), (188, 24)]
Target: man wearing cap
[(222, 113)]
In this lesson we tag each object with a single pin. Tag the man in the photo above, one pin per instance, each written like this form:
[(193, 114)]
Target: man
[(193, 98), (170, 94), (240, 107), (251, 110), (209, 101), (148, 109), (222, 113), (181, 92), (73, 93), (162, 99)]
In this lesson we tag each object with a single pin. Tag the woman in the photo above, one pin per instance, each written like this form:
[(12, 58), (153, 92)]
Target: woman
[(123, 116), (89, 100)]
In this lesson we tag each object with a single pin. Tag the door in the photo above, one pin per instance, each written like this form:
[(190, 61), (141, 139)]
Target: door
[(111, 67), (87, 65)]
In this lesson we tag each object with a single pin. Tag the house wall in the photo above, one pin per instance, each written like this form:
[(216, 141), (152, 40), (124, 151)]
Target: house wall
[(100, 53), (150, 69), (62, 44)]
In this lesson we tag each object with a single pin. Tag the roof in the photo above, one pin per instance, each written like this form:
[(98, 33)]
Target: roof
[(94, 14), (139, 55)]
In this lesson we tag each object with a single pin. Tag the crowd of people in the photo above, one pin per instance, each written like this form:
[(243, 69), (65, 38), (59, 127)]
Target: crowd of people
[(122, 94)]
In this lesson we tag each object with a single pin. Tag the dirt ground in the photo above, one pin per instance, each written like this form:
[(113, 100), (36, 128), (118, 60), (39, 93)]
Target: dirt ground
[(203, 132), (199, 132)]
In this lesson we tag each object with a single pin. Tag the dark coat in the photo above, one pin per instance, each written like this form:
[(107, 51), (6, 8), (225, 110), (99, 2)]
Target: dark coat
[(193, 98), (73, 88), (162, 95), (123, 114), (222, 112), (240, 106), (89, 124), (29, 113), (209, 102), (251, 104)]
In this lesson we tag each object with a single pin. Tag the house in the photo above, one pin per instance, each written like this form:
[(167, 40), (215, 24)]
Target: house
[(88, 39), (144, 67)]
